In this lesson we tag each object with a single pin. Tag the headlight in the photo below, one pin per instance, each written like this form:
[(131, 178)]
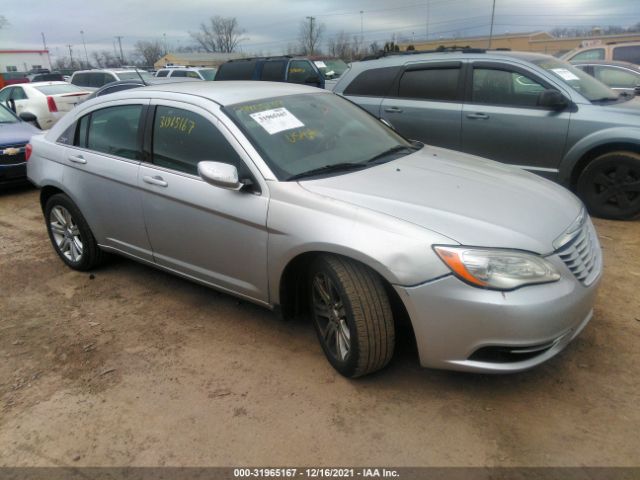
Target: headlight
[(497, 269)]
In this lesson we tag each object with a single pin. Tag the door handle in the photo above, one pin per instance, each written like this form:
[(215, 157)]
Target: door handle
[(478, 116), (393, 110), (77, 159), (157, 180)]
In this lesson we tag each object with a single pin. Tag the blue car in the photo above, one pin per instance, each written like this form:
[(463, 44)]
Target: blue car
[(14, 136)]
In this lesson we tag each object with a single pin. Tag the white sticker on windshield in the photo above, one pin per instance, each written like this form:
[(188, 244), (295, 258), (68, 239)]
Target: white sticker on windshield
[(276, 120), (320, 64), (565, 74)]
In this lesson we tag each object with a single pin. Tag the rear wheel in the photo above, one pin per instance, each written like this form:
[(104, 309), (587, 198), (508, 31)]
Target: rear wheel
[(70, 234), (610, 185), (352, 315)]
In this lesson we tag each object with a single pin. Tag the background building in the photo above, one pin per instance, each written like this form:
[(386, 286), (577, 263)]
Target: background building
[(196, 59), (541, 42), (23, 60)]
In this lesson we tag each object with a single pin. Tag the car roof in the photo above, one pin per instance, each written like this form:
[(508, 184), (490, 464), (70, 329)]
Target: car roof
[(112, 70), (402, 58), (229, 92), (614, 63)]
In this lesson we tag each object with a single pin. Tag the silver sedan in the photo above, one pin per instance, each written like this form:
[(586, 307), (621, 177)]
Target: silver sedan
[(296, 199)]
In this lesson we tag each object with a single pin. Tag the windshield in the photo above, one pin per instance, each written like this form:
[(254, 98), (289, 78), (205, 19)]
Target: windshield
[(134, 75), (7, 116), (331, 68), (208, 73), (296, 134), (57, 89), (581, 82)]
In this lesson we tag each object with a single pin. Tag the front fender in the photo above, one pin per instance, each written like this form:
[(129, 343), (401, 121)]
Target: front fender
[(600, 138), (301, 222)]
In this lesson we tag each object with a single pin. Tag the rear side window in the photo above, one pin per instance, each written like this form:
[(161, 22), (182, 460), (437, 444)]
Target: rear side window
[(68, 136), (430, 84), (630, 53), (273, 71), (162, 73), (114, 130), (593, 54), (300, 71), (241, 70), (81, 79), (375, 82), (178, 73), (182, 138)]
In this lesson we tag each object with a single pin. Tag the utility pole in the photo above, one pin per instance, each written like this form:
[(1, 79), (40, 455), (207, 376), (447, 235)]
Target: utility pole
[(70, 54), (164, 35), (311, 40), (493, 11), (86, 55), (427, 21), (119, 37), (44, 44), (361, 23)]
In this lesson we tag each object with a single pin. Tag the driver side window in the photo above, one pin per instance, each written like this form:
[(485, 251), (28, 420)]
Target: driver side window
[(182, 138)]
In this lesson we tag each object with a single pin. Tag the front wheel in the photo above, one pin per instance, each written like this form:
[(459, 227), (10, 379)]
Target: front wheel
[(610, 186), (352, 315)]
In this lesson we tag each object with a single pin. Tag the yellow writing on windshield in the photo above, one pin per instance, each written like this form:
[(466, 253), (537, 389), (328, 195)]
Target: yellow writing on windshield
[(181, 124), (299, 135), (258, 107)]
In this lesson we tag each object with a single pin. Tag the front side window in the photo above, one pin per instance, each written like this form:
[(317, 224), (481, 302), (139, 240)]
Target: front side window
[(114, 130), (593, 54), (440, 84), (182, 138), (299, 134), (178, 73), (300, 71), (502, 87), (18, 93), (81, 79), (162, 73), (208, 73), (617, 77)]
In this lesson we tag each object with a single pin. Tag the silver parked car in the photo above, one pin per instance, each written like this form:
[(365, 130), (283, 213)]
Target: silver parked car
[(294, 198), (521, 108)]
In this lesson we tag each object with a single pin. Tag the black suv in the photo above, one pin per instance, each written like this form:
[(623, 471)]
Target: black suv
[(272, 69)]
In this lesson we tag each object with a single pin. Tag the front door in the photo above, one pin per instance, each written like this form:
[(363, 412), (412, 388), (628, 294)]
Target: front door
[(211, 234), (501, 120)]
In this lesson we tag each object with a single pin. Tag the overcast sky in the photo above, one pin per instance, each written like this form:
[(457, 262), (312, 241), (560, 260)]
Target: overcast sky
[(270, 25)]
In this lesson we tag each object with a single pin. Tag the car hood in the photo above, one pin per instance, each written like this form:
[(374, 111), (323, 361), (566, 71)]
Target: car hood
[(630, 107), (16, 133), (471, 200)]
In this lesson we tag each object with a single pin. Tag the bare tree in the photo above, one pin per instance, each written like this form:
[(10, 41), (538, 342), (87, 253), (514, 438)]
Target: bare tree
[(221, 34), (309, 37), (106, 59), (149, 52), (340, 45)]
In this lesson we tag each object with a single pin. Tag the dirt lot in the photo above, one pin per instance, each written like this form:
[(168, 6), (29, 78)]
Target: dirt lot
[(131, 366)]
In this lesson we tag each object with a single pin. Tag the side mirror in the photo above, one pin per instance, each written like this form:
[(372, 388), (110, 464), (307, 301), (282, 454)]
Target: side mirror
[(219, 174), (552, 99), (313, 80), (28, 117)]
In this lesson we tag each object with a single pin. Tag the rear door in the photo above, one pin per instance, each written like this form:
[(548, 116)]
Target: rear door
[(426, 103), (102, 175), (211, 234), (501, 120), (371, 86)]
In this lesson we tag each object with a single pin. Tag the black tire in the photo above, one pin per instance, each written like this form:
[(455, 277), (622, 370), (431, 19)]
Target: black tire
[(610, 186), (90, 254), (358, 300)]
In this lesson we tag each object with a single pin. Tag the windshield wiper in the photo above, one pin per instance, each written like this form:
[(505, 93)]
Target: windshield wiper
[(337, 167), (391, 151)]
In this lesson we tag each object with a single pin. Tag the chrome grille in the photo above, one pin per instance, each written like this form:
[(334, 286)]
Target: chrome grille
[(15, 157), (582, 254)]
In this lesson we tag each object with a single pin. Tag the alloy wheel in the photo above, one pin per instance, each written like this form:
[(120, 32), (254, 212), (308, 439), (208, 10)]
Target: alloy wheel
[(66, 233), (331, 317)]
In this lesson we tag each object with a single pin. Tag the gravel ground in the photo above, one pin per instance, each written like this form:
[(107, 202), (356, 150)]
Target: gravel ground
[(131, 366)]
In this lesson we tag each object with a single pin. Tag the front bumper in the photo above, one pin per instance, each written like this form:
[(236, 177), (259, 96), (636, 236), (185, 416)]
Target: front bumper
[(460, 327)]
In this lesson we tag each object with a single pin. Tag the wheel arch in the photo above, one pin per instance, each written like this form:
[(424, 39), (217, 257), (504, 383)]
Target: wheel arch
[(594, 145), (293, 301), (47, 192)]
